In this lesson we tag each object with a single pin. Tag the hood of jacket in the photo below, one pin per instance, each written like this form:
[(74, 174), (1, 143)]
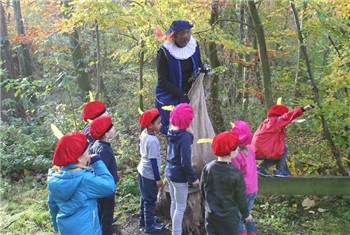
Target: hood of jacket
[(63, 187), (174, 136)]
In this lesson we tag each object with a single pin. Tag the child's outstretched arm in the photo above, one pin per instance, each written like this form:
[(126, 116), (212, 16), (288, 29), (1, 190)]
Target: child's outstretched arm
[(308, 107)]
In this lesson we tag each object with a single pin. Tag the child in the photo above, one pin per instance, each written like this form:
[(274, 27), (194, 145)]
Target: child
[(223, 189), (148, 170), (74, 187), (269, 139), (102, 130), (92, 110), (245, 162), (178, 170)]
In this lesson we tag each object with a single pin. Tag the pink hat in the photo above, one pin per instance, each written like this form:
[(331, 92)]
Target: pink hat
[(181, 116), (224, 143), (69, 148), (242, 129)]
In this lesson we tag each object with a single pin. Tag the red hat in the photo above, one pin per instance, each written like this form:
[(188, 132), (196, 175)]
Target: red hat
[(224, 143), (69, 148), (277, 109), (148, 116), (242, 129), (100, 126), (93, 110), (181, 116)]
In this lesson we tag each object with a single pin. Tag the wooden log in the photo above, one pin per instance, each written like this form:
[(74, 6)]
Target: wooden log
[(304, 185)]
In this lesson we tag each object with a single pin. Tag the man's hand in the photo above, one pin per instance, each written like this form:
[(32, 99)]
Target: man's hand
[(159, 184), (195, 183), (249, 218)]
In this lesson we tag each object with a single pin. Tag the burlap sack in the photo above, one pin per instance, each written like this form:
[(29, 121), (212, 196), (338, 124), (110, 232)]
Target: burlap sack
[(201, 127)]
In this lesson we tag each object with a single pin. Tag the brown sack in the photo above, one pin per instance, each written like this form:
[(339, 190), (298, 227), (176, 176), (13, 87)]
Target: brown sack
[(201, 127)]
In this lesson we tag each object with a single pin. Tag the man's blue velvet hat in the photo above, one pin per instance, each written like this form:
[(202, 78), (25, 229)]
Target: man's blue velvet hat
[(179, 25)]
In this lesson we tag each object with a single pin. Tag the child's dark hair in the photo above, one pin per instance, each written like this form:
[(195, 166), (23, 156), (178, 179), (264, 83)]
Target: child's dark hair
[(155, 118)]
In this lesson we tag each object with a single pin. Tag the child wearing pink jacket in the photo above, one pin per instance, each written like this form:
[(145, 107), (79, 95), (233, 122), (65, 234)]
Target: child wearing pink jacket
[(245, 162)]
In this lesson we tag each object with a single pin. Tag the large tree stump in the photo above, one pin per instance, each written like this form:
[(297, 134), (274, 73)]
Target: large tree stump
[(193, 217)]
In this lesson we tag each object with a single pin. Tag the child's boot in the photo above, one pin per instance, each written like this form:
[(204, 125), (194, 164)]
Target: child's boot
[(154, 228), (242, 233), (251, 233)]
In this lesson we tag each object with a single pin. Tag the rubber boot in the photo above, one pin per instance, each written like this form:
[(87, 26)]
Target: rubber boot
[(251, 233), (243, 233)]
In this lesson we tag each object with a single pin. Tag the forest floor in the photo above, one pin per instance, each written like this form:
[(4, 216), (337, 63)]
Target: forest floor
[(130, 227)]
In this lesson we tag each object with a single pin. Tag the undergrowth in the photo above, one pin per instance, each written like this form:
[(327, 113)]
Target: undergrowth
[(23, 210)]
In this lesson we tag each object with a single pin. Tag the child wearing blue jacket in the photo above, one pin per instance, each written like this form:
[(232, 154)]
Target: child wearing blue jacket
[(74, 187), (178, 170)]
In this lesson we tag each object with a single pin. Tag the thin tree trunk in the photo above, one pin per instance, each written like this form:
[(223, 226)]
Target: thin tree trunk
[(299, 58), (101, 89), (248, 57), (263, 53), (328, 135), (83, 78), (214, 107), (142, 62), (24, 57), (8, 65)]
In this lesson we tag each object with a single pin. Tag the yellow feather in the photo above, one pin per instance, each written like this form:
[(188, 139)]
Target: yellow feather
[(279, 101), (91, 96), (140, 111), (56, 131), (232, 124), (204, 140), (168, 107)]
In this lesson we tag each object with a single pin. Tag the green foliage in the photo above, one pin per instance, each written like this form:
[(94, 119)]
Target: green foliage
[(128, 195), (25, 149), (287, 215)]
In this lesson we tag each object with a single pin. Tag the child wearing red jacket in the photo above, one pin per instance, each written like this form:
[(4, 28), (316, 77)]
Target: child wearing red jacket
[(269, 139)]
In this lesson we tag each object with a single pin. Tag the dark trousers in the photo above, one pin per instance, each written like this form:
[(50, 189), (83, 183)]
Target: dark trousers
[(165, 114), (149, 191), (105, 212), (215, 225)]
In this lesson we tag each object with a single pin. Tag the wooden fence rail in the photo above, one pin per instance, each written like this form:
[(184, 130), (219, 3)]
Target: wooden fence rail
[(305, 185)]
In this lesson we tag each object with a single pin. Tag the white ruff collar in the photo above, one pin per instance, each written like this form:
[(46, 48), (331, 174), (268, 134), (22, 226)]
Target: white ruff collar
[(181, 53)]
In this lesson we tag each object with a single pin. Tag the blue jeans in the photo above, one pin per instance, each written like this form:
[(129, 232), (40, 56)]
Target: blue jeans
[(280, 163), (178, 195), (149, 192), (165, 114), (250, 226)]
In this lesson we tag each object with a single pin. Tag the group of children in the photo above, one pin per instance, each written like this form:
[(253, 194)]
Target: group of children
[(82, 187), (82, 184)]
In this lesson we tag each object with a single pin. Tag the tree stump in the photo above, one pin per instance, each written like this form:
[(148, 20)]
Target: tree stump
[(193, 217)]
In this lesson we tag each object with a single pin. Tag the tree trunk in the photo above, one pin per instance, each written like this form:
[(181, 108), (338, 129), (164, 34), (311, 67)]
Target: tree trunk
[(25, 60), (328, 135), (263, 54), (7, 65), (101, 89), (142, 62), (240, 70), (214, 107), (83, 78), (248, 57)]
